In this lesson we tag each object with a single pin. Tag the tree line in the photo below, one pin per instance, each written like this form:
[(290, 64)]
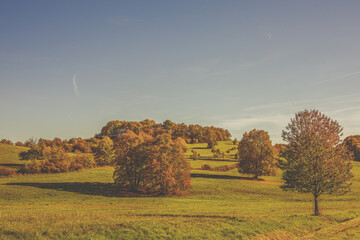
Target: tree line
[(151, 158), (190, 133)]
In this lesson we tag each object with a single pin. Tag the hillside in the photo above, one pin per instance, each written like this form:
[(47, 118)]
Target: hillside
[(9, 155), (221, 205)]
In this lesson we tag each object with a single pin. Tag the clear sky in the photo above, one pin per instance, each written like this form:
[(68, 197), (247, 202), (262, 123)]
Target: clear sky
[(69, 67)]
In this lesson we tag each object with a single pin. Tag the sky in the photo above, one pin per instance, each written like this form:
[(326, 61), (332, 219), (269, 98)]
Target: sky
[(69, 67)]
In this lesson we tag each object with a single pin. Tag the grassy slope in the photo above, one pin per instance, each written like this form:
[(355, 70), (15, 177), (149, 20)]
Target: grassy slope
[(84, 205), (9, 155)]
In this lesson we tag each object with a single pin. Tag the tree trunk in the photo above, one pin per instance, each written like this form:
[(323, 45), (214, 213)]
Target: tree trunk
[(316, 212)]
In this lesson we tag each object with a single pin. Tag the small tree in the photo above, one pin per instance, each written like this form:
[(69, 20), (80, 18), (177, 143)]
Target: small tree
[(315, 162), (34, 153), (256, 155), (212, 142), (194, 155)]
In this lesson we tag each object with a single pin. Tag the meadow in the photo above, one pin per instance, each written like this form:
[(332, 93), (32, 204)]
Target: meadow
[(221, 205)]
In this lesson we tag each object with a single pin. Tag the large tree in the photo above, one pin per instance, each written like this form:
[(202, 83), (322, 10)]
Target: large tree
[(315, 160), (154, 165), (256, 155)]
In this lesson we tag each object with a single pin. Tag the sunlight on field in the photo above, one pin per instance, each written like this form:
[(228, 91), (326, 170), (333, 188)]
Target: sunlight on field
[(221, 205)]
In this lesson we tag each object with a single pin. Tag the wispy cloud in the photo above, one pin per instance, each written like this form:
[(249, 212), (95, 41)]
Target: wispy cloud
[(341, 77), (253, 122), (76, 90)]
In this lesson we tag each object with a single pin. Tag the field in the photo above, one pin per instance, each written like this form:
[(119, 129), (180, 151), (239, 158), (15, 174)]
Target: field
[(9, 155), (221, 205)]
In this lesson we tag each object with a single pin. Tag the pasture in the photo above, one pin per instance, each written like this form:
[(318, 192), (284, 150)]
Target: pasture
[(221, 205)]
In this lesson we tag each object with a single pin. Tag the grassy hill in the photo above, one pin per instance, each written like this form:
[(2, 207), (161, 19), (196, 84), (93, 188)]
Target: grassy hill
[(9, 155), (221, 205)]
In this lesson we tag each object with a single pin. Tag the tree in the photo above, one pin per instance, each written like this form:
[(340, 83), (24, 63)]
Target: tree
[(256, 155), (315, 160), (212, 142), (34, 153), (131, 159), (353, 144), (104, 152), (168, 172), (155, 165)]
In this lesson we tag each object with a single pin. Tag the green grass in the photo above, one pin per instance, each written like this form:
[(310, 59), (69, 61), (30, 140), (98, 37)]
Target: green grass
[(85, 205), (206, 152), (9, 155)]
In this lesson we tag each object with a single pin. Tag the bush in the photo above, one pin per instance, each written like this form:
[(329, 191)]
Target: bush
[(205, 167), (58, 164), (224, 168), (4, 171)]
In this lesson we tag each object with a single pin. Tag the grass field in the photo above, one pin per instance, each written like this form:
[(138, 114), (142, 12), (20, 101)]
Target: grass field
[(9, 155), (221, 205)]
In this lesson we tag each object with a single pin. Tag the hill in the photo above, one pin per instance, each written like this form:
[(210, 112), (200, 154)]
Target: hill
[(9, 155), (221, 205)]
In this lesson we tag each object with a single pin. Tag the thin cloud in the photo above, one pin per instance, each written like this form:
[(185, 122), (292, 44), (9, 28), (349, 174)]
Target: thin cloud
[(253, 122), (76, 90), (338, 77)]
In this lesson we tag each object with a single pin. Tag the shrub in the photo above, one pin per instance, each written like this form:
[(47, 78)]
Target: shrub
[(5, 171), (205, 167), (58, 164)]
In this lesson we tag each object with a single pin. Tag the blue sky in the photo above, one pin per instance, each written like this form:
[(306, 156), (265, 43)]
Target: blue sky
[(69, 67)]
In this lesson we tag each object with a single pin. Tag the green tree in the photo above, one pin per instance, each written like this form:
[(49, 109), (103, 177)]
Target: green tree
[(212, 142), (315, 160), (104, 152), (34, 153), (256, 155)]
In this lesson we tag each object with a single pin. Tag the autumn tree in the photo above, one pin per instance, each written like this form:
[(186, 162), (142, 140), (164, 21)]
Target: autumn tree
[(132, 153), (316, 161), (168, 172), (155, 165), (256, 155), (104, 152), (353, 145), (194, 154)]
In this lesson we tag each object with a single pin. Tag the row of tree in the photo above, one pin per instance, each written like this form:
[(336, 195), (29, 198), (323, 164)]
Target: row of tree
[(190, 133), (152, 159), (142, 162)]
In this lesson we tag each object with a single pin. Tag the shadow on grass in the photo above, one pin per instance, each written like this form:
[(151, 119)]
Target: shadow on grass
[(202, 175), (89, 188), (12, 165), (217, 159)]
